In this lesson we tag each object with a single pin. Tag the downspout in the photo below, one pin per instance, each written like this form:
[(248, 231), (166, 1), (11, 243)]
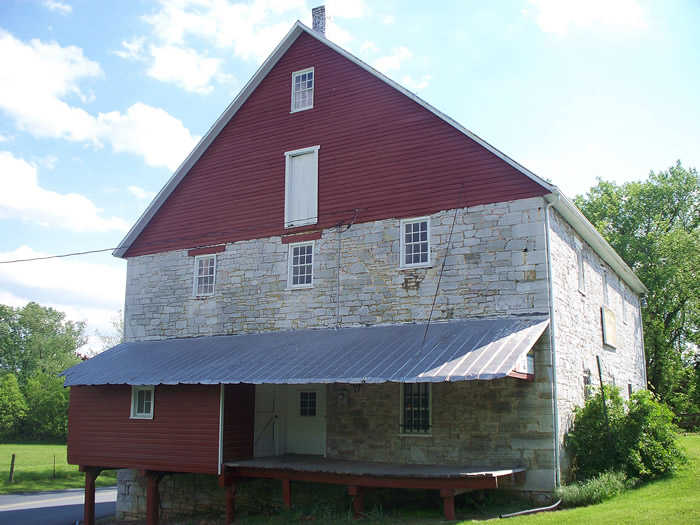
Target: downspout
[(645, 380), (552, 345)]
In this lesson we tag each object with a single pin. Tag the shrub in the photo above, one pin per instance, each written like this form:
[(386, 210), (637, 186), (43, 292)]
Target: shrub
[(604, 486), (640, 440)]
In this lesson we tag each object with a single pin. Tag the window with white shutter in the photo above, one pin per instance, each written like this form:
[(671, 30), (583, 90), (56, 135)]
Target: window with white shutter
[(301, 187)]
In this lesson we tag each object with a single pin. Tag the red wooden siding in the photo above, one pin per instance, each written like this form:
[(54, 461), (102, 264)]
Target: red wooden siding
[(183, 435), (239, 414), (381, 152)]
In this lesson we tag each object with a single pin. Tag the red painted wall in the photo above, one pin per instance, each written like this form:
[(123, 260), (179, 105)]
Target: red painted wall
[(380, 152), (239, 417), (183, 435)]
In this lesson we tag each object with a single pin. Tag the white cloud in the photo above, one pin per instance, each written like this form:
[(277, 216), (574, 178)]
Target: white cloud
[(57, 6), (68, 285), (49, 161), (23, 198), (415, 84), (132, 49), (5, 138), (159, 137), (183, 67), (369, 46), (35, 79), (140, 193), (555, 16), (246, 28), (392, 62)]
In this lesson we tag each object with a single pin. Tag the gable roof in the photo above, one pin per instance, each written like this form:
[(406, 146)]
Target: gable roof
[(560, 202)]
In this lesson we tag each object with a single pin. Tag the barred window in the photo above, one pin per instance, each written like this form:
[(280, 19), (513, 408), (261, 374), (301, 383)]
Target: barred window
[(301, 265), (415, 408), (204, 274), (303, 90), (415, 242)]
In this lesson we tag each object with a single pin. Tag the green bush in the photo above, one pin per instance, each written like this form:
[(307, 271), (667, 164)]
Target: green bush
[(600, 488), (640, 441), (13, 407)]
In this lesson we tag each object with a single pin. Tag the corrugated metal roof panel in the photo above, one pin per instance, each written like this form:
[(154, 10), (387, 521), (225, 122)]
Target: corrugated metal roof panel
[(453, 351)]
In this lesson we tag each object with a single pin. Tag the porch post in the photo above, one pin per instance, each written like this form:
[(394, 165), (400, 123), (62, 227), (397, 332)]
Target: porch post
[(152, 496), (358, 501), (91, 474), (287, 492), (448, 497), (230, 502)]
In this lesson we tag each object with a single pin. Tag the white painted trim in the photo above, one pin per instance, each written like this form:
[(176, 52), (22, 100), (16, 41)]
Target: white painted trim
[(194, 281), (135, 389), (402, 242), (221, 427), (290, 256), (313, 89)]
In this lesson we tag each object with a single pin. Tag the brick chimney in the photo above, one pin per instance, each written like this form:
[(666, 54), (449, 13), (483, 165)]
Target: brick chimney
[(318, 15)]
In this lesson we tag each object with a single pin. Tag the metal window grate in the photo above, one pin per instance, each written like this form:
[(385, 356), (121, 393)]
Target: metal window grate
[(416, 408)]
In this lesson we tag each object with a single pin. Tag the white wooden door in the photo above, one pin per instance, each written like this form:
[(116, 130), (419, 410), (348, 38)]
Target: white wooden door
[(306, 419)]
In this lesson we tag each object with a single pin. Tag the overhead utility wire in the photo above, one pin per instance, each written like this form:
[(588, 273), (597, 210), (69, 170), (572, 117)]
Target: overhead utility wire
[(175, 239)]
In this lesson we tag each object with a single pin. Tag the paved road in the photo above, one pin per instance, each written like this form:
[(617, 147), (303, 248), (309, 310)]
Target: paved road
[(60, 507)]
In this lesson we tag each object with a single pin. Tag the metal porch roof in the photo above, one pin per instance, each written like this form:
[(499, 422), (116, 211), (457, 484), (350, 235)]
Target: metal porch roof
[(453, 351)]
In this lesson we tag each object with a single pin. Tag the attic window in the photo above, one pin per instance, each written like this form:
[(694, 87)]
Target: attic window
[(303, 90)]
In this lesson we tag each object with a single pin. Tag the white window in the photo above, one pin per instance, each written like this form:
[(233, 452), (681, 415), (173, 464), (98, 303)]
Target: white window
[(301, 265), (415, 242), (142, 402), (204, 274), (606, 293), (303, 90), (415, 409), (580, 266), (301, 187)]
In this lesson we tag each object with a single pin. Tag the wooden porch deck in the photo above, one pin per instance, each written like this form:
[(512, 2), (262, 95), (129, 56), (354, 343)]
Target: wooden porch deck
[(450, 480)]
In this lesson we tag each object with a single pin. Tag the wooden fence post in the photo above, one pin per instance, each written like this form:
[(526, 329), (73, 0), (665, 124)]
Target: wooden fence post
[(12, 469)]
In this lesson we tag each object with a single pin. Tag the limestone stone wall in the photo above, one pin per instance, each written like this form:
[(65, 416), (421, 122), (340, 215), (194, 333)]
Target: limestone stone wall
[(579, 331), (500, 423), (496, 266)]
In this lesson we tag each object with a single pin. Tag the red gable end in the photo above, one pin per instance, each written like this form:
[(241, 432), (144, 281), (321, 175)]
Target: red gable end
[(381, 152)]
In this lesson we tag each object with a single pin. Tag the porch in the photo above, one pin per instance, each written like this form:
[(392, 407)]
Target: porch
[(360, 476)]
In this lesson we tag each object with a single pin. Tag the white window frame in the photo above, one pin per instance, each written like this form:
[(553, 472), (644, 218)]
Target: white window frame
[(580, 265), (606, 290), (623, 301), (402, 430), (313, 85), (403, 263), (290, 265), (290, 222), (135, 414), (195, 284)]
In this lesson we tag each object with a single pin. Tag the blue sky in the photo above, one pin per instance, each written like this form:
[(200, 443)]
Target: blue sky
[(101, 101)]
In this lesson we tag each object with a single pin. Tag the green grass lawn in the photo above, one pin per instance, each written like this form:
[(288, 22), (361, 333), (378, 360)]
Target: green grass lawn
[(34, 469), (673, 500)]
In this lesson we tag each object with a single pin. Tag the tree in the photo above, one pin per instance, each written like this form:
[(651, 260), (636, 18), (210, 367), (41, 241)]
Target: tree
[(47, 408), (13, 407), (114, 336), (655, 227), (36, 339)]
